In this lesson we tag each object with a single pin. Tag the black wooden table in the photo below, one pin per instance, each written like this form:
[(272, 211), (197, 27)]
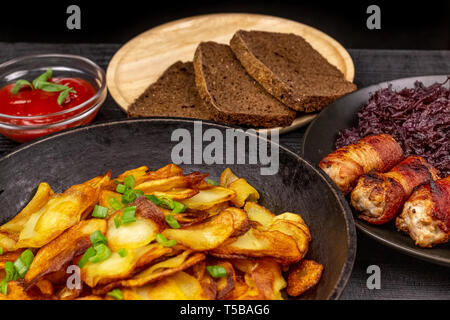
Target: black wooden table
[(402, 277)]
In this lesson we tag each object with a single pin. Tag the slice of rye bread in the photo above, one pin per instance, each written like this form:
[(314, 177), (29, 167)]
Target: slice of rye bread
[(288, 67), (231, 95), (173, 95)]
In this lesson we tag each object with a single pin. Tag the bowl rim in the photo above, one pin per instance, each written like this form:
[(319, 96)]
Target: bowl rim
[(94, 98), (347, 268)]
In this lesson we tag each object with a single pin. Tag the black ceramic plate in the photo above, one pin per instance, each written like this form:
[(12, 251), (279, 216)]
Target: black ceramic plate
[(73, 156), (319, 141)]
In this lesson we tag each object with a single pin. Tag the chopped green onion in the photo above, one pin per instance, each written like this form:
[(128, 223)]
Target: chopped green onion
[(1, 251), (22, 264), (116, 294), (123, 252), (129, 182), (19, 84), (4, 286), (102, 252), (121, 188), (161, 239), (117, 222), (128, 215), (90, 252), (217, 271), (97, 238), (212, 182), (178, 207), (172, 222), (100, 212), (116, 181), (167, 202), (128, 196), (153, 199), (10, 271), (139, 192), (115, 204)]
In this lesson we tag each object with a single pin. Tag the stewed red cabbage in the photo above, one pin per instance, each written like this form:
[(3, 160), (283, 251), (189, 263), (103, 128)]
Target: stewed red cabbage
[(418, 118)]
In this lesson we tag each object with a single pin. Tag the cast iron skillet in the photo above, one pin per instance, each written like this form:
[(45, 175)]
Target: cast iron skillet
[(73, 156), (319, 141)]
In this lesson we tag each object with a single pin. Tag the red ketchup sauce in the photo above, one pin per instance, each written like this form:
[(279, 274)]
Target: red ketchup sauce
[(35, 102)]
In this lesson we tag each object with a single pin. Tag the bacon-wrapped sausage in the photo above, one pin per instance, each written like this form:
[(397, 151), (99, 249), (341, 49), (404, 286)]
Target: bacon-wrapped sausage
[(426, 214), (345, 165), (380, 196)]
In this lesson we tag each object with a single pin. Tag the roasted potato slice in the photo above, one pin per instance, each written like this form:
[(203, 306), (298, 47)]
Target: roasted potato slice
[(263, 280), (261, 243), (104, 198), (39, 200), (157, 271), (60, 213), (204, 236), (227, 177), (297, 220), (241, 223), (137, 173), (176, 194), (292, 230), (149, 222), (303, 276), (116, 267), (178, 286), (208, 198), (45, 286), (171, 170), (259, 214), (7, 242), (167, 184), (57, 253), (244, 192), (16, 291)]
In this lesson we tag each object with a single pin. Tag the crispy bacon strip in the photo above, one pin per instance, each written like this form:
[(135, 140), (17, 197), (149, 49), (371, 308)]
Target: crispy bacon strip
[(345, 165), (426, 214), (380, 196)]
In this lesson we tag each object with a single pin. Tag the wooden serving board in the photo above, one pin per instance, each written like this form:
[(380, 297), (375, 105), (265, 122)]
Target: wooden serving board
[(144, 58)]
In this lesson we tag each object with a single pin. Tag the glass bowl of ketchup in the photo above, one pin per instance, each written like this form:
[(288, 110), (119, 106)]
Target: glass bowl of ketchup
[(42, 94)]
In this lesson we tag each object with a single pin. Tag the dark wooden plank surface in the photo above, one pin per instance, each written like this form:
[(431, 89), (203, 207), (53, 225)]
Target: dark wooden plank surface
[(402, 277)]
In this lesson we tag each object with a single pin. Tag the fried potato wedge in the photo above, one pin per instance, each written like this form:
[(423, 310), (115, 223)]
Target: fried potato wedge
[(227, 177), (170, 170), (261, 243), (104, 200), (259, 214), (263, 280), (137, 173), (116, 267), (297, 220), (303, 276), (61, 250), (157, 271), (16, 291), (208, 198), (206, 235), (241, 223), (39, 200), (244, 192), (60, 213), (149, 222), (176, 194), (167, 184), (7, 243), (178, 286)]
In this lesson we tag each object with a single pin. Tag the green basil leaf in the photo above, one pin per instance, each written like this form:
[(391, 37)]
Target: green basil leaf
[(50, 87), (63, 95), (43, 77), (19, 85)]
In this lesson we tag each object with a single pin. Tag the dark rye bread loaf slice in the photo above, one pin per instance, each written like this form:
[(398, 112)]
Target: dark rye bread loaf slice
[(288, 67), (231, 95), (173, 95)]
